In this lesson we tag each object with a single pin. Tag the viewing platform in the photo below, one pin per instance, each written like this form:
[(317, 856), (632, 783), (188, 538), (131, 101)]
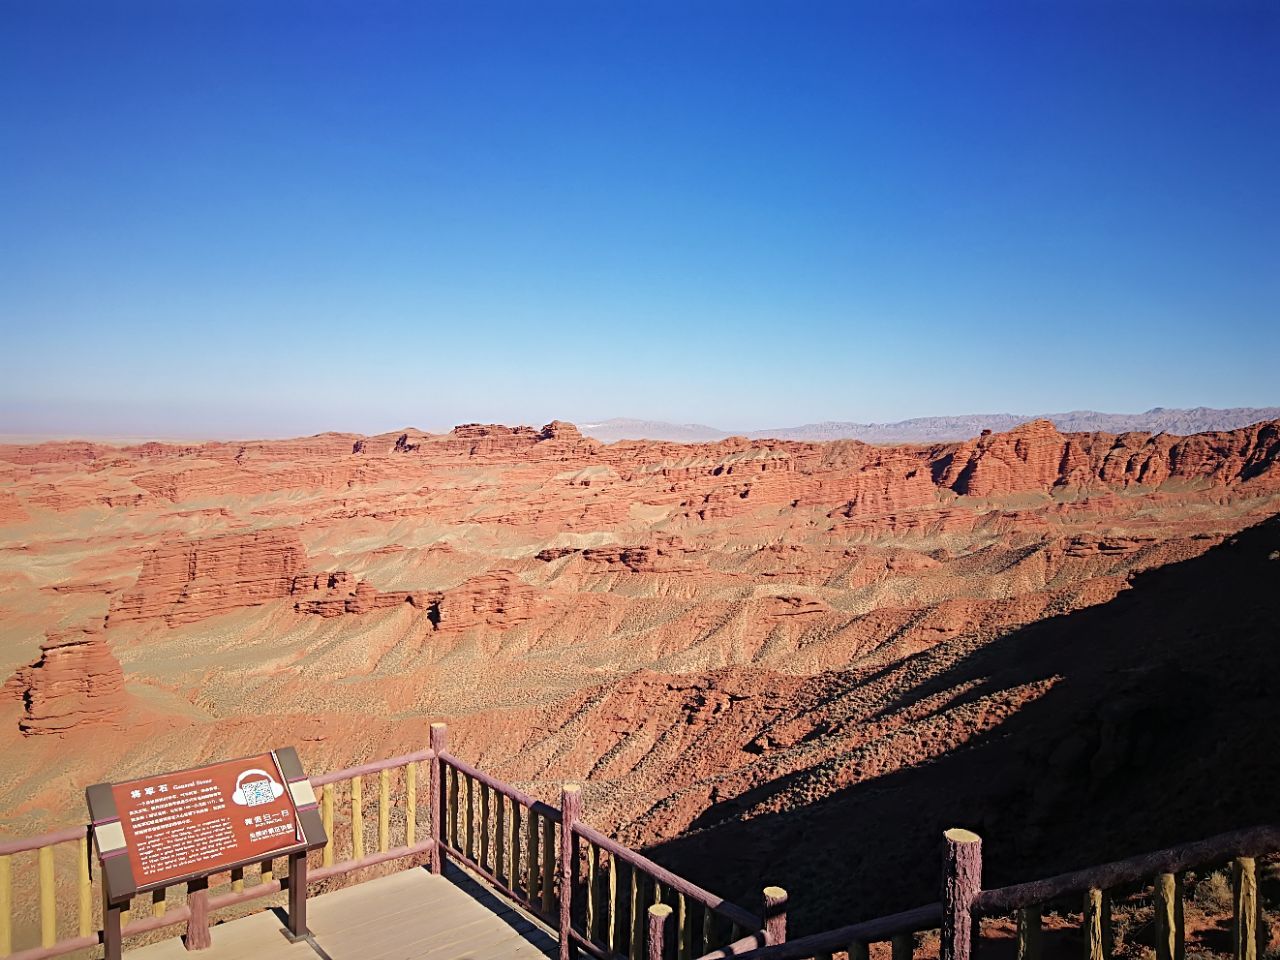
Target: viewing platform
[(484, 871), (408, 914)]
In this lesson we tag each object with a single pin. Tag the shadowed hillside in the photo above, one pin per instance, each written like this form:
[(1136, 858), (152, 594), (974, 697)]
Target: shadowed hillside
[(1161, 725)]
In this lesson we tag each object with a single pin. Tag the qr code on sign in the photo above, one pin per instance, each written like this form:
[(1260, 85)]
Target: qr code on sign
[(257, 792)]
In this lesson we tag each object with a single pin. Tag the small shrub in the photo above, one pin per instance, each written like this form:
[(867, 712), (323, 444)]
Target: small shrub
[(1213, 893)]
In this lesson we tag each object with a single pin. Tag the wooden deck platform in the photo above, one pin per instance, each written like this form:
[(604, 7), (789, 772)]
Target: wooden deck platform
[(406, 915)]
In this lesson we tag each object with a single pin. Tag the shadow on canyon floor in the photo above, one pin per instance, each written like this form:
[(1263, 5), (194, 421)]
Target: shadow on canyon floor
[(1162, 727)]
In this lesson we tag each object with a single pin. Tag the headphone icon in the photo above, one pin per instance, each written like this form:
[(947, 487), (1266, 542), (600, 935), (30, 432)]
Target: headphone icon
[(277, 789)]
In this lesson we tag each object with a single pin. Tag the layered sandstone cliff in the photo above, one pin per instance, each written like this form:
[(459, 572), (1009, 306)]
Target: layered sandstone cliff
[(507, 578), (189, 580), (75, 683)]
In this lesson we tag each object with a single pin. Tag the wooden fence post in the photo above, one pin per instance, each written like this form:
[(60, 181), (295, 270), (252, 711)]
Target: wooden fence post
[(570, 811), (1095, 941), (6, 905), (1029, 933), (659, 927), (439, 744), (1244, 916), (48, 898), (961, 884), (1167, 905), (775, 915)]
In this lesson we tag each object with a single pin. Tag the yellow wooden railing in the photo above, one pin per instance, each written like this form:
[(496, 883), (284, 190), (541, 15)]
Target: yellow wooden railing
[(53, 898), (523, 847)]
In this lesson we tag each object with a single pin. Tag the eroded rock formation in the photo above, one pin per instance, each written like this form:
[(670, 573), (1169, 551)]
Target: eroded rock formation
[(76, 683), (189, 580), (707, 634)]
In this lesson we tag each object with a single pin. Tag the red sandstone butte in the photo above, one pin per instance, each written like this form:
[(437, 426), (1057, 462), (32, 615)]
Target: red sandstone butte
[(189, 580), (75, 682)]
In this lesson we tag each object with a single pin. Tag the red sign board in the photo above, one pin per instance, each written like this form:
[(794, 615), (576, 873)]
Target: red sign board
[(203, 820)]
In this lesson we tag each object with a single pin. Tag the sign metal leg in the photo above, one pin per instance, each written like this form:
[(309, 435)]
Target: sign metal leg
[(111, 938), (297, 927)]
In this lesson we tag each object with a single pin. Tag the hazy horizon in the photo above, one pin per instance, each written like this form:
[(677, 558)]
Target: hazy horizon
[(237, 220), (584, 423)]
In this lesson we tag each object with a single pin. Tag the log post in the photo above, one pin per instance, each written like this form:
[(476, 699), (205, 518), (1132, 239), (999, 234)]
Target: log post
[(1244, 916), (484, 827), (593, 909), (636, 917), (500, 838), (384, 810), (570, 812), (439, 744), (858, 950), (85, 884), (410, 804), (470, 845), (1108, 938), (548, 865), (48, 898), (531, 836), (1167, 904), (659, 928), (298, 896), (611, 908), (961, 883), (198, 936), (326, 817), (902, 946), (1029, 933), (357, 817), (775, 915), (1095, 947), (6, 905)]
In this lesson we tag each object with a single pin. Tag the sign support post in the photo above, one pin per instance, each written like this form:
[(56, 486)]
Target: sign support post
[(297, 928), (198, 936), (112, 942)]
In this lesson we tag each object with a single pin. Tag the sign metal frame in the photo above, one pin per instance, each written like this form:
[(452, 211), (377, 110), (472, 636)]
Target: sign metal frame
[(115, 857)]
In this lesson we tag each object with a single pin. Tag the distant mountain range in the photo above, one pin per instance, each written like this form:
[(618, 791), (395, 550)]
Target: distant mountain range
[(931, 429)]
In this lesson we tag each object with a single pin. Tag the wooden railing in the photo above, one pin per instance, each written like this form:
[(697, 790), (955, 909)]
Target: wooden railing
[(165, 907), (515, 842), (404, 769), (696, 920), (608, 900), (503, 834), (597, 894), (1164, 871), (964, 903), (47, 849)]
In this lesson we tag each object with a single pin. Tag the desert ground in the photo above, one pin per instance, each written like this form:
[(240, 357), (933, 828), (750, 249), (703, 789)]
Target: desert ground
[(764, 658)]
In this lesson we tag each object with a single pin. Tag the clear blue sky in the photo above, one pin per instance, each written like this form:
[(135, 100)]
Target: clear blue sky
[(272, 218)]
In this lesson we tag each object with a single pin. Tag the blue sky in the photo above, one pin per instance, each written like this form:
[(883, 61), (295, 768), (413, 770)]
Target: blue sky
[(239, 219)]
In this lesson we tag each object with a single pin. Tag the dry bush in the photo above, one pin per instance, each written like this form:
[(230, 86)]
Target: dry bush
[(1213, 894)]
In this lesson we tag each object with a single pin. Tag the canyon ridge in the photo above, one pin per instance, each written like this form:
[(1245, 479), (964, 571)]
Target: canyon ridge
[(743, 647)]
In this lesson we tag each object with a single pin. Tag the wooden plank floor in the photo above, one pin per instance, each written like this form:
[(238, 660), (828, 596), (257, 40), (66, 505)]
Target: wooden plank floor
[(406, 915)]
